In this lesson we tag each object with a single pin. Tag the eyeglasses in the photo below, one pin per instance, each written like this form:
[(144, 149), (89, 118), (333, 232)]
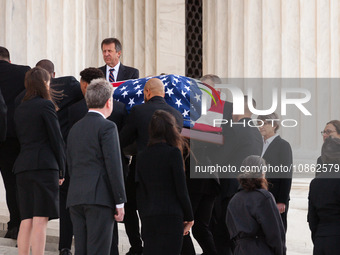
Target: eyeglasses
[(327, 132)]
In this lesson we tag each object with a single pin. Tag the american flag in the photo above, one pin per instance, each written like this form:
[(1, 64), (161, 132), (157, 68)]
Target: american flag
[(181, 92)]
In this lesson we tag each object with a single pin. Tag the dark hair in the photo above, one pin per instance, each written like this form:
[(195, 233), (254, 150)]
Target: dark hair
[(336, 124), (271, 116), (4, 54), (47, 65), (252, 178), (35, 84), (90, 74), (118, 45), (163, 127), (330, 152)]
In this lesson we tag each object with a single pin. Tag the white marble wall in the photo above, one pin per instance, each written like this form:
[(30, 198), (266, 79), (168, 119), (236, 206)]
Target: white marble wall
[(69, 33), (274, 39)]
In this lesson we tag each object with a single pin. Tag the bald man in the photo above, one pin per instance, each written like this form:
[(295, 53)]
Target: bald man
[(137, 130)]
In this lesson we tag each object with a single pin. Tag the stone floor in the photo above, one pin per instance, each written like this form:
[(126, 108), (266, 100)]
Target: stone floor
[(298, 234)]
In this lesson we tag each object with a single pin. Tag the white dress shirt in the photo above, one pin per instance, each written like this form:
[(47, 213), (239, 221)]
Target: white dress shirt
[(267, 142), (115, 72)]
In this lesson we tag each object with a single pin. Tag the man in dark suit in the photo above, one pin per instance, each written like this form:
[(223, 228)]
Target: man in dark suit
[(69, 93), (114, 70), (277, 153), (137, 130), (12, 79), (118, 116), (241, 141), (96, 194), (3, 118)]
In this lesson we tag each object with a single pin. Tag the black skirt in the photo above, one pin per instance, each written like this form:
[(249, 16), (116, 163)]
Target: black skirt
[(38, 194)]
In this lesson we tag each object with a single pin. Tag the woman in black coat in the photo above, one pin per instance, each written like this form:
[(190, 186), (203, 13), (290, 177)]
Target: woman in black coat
[(162, 197), (324, 201), (253, 220), (39, 168)]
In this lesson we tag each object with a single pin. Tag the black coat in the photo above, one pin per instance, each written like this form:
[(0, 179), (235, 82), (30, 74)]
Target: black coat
[(79, 110), (12, 78), (3, 118), (324, 206), (124, 72), (240, 141), (279, 153), (161, 186), (42, 145), (94, 161), (254, 214), (137, 124)]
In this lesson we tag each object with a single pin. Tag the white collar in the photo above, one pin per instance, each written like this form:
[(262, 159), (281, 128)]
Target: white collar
[(98, 113), (116, 67), (270, 139)]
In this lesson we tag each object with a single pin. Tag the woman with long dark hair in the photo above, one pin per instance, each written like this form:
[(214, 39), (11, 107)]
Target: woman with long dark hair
[(39, 168), (162, 197), (253, 219)]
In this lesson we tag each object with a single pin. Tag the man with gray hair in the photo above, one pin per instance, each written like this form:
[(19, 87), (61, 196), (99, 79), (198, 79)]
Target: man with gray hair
[(96, 194)]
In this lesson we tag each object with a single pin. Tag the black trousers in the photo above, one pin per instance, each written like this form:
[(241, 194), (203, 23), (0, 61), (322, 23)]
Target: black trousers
[(223, 244), (202, 205), (9, 151), (65, 223), (93, 228), (131, 219), (284, 217), (326, 245)]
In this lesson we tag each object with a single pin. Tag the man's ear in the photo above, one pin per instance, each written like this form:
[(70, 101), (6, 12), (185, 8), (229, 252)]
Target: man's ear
[(119, 53)]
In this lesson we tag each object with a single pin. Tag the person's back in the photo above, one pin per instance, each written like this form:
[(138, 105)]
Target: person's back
[(251, 223), (33, 119), (161, 180)]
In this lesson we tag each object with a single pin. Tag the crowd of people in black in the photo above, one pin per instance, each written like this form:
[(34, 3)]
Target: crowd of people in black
[(68, 150)]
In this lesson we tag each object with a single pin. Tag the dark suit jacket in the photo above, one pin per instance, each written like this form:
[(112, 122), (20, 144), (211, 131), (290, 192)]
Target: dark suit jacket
[(124, 72), (279, 153), (37, 127), (69, 93), (137, 124), (79, 110), (161, 187), (239, 142), (12, 78), (94, 161), (324, 206), (3, 118)]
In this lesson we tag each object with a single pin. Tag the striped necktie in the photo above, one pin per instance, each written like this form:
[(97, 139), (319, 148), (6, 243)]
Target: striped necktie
[(111, 77)]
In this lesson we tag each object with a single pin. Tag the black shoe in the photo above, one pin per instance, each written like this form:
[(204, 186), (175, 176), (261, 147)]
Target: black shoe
[(12, 233), (65, 251)]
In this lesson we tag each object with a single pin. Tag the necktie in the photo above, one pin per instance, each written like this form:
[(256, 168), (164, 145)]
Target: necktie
[(111, 77)]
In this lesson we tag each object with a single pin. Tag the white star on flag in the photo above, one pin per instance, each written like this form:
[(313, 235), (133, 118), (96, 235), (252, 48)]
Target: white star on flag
[(132, 102), (178, 102), (123, 88), (184, 93), (139, 92), (137, 87), (176, 80), (166, 84), (187, 87), (135, 82), (198, 97), (185, 113), (125, 93), (169, 92)]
